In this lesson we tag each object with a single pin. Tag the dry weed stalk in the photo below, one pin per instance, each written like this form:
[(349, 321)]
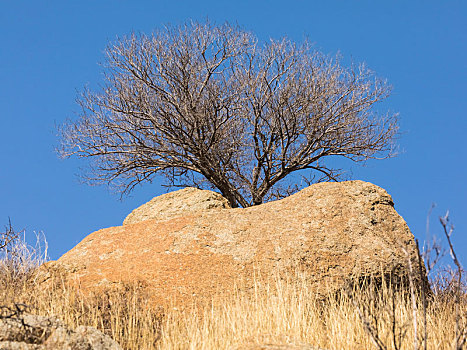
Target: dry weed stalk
[(364, 313), (413, 298), (461, 331)]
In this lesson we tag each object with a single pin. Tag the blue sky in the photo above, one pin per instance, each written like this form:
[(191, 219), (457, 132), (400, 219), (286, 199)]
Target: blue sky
[(51, 49)]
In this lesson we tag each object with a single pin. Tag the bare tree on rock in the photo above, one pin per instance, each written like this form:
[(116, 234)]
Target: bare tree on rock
[(205, 104)]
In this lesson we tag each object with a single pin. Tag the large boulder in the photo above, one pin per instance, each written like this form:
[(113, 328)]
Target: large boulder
[(330, 231)]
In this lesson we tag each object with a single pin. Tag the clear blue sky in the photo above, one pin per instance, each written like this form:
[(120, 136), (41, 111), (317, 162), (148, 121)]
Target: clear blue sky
[(51, 49)]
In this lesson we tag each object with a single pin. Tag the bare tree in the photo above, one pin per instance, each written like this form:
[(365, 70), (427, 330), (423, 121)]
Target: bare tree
[(205, 104)]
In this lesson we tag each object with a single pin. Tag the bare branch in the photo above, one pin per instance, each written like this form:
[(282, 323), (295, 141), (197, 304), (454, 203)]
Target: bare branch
[(211, 102), (8, 237)]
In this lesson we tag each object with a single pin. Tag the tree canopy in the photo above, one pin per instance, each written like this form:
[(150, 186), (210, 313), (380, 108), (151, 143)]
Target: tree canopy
[(211, 105)]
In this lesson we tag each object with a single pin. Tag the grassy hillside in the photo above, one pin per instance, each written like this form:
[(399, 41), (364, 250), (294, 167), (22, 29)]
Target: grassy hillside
[(277, 311)]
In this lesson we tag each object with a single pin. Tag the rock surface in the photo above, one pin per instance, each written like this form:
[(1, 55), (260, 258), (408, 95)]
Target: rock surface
[(28, 332), (173, 204), (331, 231)]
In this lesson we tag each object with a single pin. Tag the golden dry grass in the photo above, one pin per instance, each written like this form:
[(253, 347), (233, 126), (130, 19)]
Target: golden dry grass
[(277, 311), (284, 312)]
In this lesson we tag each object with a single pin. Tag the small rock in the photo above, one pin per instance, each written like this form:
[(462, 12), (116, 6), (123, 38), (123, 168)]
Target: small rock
[(33, 332)]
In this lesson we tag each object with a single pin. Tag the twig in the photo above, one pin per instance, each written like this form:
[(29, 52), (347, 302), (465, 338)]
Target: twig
[(422, 278), (8, 236), (448, 232), (9, 312), (414, 301), (372, 331)]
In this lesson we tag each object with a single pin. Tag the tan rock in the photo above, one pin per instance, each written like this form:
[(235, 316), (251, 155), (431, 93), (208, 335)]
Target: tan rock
[(34, 332), (329, 230), (178, 203)]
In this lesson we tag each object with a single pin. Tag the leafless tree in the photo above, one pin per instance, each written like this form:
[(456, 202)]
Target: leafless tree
[(205, 104)]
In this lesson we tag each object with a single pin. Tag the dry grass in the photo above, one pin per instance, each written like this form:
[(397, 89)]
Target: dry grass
[(277, 311), (289, 312)]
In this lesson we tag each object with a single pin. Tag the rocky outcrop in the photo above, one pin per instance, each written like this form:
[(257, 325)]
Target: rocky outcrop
[(32, 332), (173, 204), (330, 231)]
